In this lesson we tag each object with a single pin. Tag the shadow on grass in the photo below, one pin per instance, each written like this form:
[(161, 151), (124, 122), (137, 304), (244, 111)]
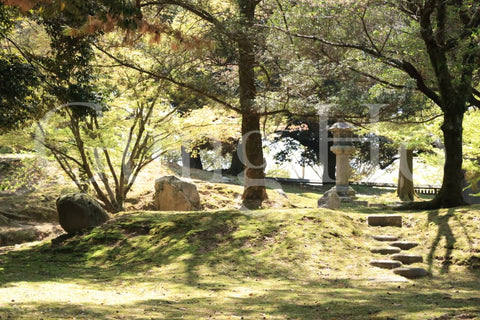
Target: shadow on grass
[(307, 302), (444, 231), (252, 271), (135, 243)]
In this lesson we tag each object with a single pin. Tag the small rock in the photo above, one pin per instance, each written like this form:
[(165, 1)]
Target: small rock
[(411, 273), (385, 238), (330, 200), (386, 264), (404, 245), (407, 258), (385, 250), (385, 220)]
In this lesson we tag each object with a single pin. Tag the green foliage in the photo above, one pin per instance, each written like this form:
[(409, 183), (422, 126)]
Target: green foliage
[(7, 18), (17, 173), (471, 148), (18, 99)]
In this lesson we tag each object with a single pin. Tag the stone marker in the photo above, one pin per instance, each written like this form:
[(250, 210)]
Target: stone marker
[(385, 220), (411, 273), (407, 258), (385, 250), (385, 238), (386, 264), (330, 200), (404, 245), (78, 211)]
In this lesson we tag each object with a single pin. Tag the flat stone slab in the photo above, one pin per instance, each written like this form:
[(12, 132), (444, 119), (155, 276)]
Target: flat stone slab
[(404, 245), (386, 264), (392, 278), (407, 258), (411, 273), (385, 250), (385, 238), (385, 220)]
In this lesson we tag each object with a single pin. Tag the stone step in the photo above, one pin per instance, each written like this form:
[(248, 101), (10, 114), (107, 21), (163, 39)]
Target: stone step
[(385, 250), (404, 245), (407, 258), (386, 264), (411, 273), (385, 238), (385, 220)]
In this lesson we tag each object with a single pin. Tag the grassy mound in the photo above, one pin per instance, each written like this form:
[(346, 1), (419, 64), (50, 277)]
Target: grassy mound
[(265, 264)]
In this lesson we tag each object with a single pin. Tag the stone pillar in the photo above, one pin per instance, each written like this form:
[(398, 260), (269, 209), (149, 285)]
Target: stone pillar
[(343, 170), (342, 148)]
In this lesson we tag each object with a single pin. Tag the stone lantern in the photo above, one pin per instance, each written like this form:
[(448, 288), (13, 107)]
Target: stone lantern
[(342, 148)]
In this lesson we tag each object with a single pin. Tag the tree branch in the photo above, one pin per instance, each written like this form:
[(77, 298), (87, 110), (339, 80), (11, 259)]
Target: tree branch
[(171, 80), (203, 14)]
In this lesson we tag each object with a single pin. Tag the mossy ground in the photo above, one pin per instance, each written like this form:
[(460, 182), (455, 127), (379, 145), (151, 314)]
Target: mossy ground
[(288, 262), (265, 264)]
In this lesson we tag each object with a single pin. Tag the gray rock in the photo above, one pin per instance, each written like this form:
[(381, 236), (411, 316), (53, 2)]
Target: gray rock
[(386, 264), (385, 220), (407, 258), (385, 250), (330, 200), (404, 245), (78, 211), (173, 194), (385, 238), (411, 273)]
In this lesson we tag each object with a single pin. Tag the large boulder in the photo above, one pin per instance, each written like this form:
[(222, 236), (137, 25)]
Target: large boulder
[(173, 194), (78, 211)]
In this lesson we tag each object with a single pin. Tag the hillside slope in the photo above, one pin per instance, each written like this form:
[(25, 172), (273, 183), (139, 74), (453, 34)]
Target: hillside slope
[(265, 264)]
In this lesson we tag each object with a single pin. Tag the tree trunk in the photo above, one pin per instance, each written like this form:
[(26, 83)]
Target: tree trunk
[(190, 161), (450, 194), (236, 165), (254, 192), (405, 189), (254, 185)]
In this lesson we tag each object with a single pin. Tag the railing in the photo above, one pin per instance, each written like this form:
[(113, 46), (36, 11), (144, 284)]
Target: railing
[(428, 189)]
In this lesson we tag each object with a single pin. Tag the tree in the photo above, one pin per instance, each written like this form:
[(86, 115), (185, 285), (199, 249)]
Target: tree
[(19, 79), (433, 43), (232, 27), (107, 149)]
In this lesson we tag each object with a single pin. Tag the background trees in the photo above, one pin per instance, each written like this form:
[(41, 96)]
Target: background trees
[(434, 44), (262, 58), (229, 71), (18, 77)]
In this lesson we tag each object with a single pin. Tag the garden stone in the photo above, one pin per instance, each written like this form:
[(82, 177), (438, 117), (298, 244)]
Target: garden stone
[(385, 250), (404, 245), (173, 194), (407, 258), (78, 211), (385, 238), (385, 220), (411, 273), (330, 200), (386, 264)]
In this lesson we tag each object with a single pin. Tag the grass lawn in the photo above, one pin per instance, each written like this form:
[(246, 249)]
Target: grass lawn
[(265, 264)]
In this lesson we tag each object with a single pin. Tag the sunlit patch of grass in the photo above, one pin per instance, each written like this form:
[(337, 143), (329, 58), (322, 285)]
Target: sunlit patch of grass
[(264, 264)]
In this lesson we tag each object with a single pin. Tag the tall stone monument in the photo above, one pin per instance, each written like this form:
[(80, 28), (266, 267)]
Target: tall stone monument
[(342, 147)]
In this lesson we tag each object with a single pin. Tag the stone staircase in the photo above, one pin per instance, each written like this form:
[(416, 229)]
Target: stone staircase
[(394, 250)]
